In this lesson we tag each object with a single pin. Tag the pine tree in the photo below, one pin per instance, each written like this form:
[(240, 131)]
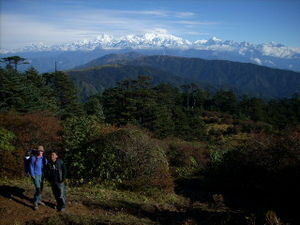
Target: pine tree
[(254, 108), (226, 101), (14, 60), (12, 90), (42, 92), (94, 107), (65, 93)]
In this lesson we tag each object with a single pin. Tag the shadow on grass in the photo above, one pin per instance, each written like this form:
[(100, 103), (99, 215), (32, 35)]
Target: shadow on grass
[(16, 193), (255, 199), (195, 189), (13, 192), (191, 216)]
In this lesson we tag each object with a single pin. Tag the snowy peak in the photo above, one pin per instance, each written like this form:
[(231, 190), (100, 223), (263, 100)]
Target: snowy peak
[(245, 48), (150, 40), (214, 40), (269, 54), (104, 38), (161, 39)]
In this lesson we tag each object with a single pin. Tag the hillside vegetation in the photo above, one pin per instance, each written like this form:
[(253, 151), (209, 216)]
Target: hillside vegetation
[(243, 78), (150, 153), (95, 80)]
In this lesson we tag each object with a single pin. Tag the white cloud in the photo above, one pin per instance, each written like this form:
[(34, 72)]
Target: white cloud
[(18, 30), (192, 22), (129, 12), (160, 30), (151, 12), (257, 60), (184, 14), (197, 33)]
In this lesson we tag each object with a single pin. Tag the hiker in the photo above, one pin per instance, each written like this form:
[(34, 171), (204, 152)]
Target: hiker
[(37, 166), (56, 174)]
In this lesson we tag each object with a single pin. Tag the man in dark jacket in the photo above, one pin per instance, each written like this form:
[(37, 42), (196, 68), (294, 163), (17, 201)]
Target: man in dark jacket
[(56, 174)]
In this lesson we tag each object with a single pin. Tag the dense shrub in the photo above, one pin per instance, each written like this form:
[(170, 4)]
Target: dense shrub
[(79, 131), (186, 159), (33, 129), (250, 126), (6, 139), (144, 163), (30, 130), (265, 172), (125, 156), (232, 130)]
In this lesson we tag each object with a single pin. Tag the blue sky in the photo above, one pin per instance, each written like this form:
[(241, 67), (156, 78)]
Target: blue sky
[(55, 21)]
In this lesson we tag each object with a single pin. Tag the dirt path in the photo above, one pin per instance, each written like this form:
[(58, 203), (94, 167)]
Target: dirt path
[(16, 207)]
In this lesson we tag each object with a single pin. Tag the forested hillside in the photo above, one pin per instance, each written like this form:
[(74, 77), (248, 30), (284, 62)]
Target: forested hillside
[(95, 80), (243, 78), (148, 150)]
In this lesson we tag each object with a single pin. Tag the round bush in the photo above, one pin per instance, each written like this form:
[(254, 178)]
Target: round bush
[(128, 157)]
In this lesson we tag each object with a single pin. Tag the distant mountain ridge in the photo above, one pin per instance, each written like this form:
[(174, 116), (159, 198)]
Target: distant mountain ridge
[(95, 80), (163, 40), (244, 78), (269, 54)]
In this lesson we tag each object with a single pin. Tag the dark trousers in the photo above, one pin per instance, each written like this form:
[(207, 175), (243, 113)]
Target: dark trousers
[(59, 191)]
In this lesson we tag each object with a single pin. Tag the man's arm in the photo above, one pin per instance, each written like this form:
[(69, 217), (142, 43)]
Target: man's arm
[(64, 171), (46, 168), (31, 166)]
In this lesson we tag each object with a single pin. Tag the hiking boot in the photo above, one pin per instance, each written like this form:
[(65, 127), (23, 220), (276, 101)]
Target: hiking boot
[(35, 207), (42, 203), (62, 210)]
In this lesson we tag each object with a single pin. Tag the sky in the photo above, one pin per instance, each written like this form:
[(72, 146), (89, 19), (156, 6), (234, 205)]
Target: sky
[(23, 22)]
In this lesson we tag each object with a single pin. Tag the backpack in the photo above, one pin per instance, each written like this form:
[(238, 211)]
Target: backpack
[(27, 159)]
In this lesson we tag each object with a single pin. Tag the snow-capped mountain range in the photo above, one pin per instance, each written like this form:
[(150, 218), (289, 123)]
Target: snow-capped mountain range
[(270, 54), (161, 40)]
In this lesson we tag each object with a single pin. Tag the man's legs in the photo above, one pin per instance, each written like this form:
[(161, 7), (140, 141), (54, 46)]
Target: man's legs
[(38, 183), (55, 192), (59, 192)]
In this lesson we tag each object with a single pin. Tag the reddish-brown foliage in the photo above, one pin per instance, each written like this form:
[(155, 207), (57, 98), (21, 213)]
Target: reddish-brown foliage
[(263, 172), (31, 130), (185, 155)]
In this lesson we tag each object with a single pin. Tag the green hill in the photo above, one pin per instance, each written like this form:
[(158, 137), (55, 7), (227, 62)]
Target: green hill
[(95, 79), (243, 78)]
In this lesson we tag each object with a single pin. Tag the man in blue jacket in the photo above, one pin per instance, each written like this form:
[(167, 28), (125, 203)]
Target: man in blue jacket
[(37, 166)]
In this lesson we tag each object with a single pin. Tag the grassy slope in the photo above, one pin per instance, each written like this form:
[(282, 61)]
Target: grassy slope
[(99, 205)]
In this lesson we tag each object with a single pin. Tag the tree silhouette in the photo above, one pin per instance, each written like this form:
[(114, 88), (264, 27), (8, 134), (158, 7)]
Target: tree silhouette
[(15, 60)]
